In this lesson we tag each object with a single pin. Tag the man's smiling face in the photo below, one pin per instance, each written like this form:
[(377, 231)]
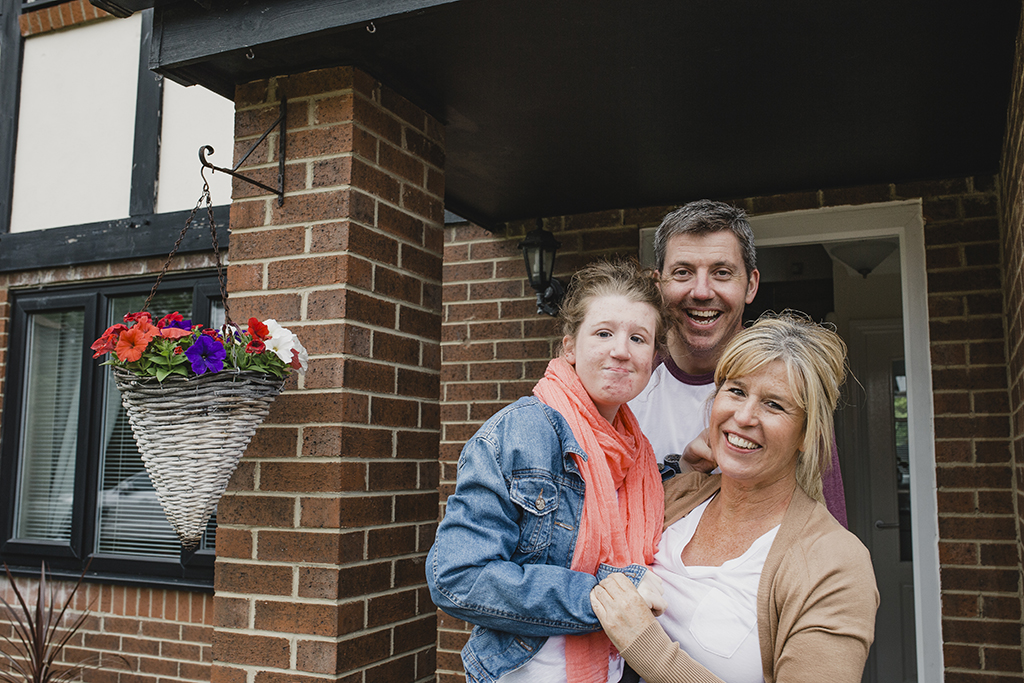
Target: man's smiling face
[(705, 287)]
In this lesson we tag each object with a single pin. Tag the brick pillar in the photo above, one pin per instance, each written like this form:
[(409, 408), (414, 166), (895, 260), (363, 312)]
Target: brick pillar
[(325, 527)]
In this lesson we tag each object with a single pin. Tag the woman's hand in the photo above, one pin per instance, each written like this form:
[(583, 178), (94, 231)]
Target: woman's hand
[(652, 590), (622, 611)]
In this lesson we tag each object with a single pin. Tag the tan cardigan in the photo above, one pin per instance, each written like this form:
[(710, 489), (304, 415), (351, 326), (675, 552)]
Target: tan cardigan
[(816, 600)]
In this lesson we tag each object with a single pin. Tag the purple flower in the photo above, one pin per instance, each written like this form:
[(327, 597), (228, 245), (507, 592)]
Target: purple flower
[(180, 324), (206, 354)]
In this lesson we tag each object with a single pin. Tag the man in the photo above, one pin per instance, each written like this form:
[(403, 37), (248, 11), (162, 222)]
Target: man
[(707, 272)]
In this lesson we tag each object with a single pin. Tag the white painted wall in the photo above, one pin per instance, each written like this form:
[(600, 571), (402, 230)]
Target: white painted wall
[(193, 117), (76, 125)]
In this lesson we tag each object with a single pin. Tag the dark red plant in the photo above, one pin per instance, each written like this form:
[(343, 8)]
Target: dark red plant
[(39, 639)]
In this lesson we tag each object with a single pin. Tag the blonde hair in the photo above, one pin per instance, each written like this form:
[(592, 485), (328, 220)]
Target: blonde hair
[(815, 360), (621, 277)]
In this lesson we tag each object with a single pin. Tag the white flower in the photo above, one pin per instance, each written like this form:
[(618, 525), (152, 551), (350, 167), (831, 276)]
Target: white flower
[(282, 342)]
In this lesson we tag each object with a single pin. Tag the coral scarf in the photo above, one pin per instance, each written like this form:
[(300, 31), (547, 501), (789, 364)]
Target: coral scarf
[(624, 503)]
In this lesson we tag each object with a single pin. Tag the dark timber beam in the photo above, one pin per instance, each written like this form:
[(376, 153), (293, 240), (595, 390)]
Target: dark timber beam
[(10, 75), (187, 35), (129, 238), (148, 99)]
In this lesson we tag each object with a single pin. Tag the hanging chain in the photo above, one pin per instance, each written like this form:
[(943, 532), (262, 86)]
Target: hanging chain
[(204, 199), (216, 254)]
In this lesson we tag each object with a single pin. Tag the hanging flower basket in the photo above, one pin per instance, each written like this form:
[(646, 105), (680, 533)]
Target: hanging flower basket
[(191, 432), (194, 398)]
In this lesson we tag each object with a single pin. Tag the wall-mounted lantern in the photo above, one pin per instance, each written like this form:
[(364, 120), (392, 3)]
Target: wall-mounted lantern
[(539, 250)]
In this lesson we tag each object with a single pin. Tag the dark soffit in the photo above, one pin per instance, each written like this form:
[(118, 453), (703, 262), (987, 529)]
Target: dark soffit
[(557, 107)]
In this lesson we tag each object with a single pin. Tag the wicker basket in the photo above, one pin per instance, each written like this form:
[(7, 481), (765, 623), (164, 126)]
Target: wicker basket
[(191, 433)]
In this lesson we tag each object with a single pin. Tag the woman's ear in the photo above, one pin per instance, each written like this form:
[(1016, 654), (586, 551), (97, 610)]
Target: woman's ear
[(569, 349)]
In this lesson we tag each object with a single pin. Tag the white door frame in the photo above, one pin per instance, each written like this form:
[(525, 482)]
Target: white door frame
[(902, 220)]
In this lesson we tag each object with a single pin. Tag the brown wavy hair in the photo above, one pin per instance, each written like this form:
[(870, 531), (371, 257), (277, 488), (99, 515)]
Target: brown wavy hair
[(621, 277)]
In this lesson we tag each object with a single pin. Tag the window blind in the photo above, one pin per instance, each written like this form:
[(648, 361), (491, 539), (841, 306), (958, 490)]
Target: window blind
[(49, 429)]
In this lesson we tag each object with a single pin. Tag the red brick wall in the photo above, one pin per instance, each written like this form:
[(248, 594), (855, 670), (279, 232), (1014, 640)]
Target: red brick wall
[(977, 533), (64, 15), (494, 348), (325, 527), (164, 634), (1012, 196)]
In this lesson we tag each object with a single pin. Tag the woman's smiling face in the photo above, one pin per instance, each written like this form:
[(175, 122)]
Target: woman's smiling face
[(613, 350), (757, 427)]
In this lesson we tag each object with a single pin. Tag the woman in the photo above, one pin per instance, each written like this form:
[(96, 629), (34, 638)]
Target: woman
[(761, 582), (555, 492)]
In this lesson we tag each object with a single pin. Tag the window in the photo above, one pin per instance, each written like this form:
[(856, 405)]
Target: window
[(70, 469), (141, 129), (96, 66)]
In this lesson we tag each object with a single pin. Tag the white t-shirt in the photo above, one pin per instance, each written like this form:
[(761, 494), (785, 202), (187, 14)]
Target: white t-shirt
[(673, 408), (548, 665), (712, 611)]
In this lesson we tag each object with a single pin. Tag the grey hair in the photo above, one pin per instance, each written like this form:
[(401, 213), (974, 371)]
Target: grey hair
[(700, 218)]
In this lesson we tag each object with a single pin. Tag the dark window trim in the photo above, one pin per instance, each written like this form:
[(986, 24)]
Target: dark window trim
[(21, 309), (40, 4), (127, 238), (68, 561), (148, 114), (11, 46)]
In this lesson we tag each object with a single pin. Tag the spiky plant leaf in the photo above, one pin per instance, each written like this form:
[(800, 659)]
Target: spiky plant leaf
[(39, 640)]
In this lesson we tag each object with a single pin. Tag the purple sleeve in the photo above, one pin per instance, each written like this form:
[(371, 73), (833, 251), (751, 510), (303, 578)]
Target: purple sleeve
[(832, 488)]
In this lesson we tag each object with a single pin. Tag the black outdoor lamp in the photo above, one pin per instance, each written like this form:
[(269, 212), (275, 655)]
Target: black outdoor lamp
[(539, 249)]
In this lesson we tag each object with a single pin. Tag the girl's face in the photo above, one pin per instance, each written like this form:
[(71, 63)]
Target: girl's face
[(757, 427), (613, 350)]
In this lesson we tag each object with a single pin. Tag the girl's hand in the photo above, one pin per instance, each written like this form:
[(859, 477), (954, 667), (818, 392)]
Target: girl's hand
[(622, 611)]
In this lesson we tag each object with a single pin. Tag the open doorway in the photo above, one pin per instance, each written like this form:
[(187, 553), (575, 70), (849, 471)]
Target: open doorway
[(864, 302), (886, 444), (890, 491)]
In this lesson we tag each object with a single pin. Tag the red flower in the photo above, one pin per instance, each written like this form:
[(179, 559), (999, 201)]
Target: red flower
[(131, 344), (255, 346), (258, 330), (174, 332), (105, 344), (115, 329), (178, 350), (138, 317), (169, 318), (147, 328), (212, 334)]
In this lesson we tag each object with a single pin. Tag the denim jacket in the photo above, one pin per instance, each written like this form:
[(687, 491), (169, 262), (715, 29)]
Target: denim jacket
[(502, 554)]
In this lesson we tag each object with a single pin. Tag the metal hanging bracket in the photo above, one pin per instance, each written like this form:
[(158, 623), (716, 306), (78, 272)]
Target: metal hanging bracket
[(279, 190)]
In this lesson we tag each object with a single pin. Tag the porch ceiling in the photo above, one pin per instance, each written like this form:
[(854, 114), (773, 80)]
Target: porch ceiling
[(566, 106)]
